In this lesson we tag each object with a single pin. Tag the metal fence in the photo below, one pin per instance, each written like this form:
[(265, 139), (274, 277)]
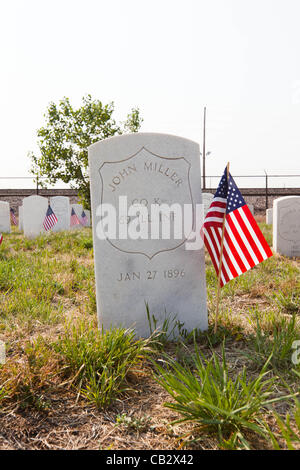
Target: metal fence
[(291, 180), (267, 184), (262, 180)]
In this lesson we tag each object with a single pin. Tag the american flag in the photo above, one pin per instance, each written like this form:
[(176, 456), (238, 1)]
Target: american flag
[(50, 219), (84, 219), (74, 218), (13, 217), (1, 238), (244, 245)]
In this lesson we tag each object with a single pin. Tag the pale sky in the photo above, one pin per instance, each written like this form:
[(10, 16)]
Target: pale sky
[(240, 58)]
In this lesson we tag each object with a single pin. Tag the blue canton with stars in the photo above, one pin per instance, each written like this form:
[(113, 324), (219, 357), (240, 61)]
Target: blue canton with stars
[(229, 190)]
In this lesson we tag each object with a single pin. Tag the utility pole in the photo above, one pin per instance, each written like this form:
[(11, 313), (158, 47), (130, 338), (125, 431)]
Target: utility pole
[(266, 190), (203, 149)]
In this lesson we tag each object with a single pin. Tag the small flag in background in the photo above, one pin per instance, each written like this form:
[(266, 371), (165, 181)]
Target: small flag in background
[(84, 219), (244, 245), (1, 238), (13, 219), (50, 219), (74, 218)]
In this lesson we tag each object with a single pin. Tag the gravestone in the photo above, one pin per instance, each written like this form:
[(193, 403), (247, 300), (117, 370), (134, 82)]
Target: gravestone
[(88, 215), (286, 226), (147, 169), (21, 218), (4, 217), (34, 213), (269, 216), (78, 208), (61, 208), (206, 200)]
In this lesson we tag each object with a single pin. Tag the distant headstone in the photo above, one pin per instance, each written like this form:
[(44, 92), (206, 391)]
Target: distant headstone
[(286, 226), (34, 212), (21, 218), (88, 215), (78, 208), (269, 216), (61, 208), (148, 169), (4, 217), (206, 200)]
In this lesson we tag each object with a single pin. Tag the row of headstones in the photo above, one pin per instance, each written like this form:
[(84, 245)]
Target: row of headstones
[(32, 214), (285, 217)]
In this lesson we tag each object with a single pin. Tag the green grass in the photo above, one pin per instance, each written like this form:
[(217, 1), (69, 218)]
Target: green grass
[(289, 301), (35, 284), (205, 394), (101, 361), (96, 363), (27, 382), (289, 433), (276, 342), (49, 282), (289, 428)]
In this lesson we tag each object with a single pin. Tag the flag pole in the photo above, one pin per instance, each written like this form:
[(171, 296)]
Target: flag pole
[(220, 263)]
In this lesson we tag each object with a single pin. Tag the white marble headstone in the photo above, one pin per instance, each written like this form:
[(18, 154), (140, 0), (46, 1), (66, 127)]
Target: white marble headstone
[(269, 216), (148, 169), (34, 213), (286, 226), (21, 218), (78, 208), (4, 217), (207, 200), (61, 208)]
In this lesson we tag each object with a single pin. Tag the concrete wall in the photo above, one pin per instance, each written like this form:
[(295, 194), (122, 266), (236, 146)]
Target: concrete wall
[(254, 196), (16, 196)]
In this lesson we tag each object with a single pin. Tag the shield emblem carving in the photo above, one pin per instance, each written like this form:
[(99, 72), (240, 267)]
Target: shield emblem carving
[(150, 180), (289, 222)]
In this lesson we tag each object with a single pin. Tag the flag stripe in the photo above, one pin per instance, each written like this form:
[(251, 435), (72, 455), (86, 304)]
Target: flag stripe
[(218, 220), (260, 251), (231, 273), (241, 227), (244, 230), (217, 209), (224, 267), (232, 255), (215, 212), (219, 200), (247, 258), (210, 246), (214, 247), (257, 231), (236, 249)]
